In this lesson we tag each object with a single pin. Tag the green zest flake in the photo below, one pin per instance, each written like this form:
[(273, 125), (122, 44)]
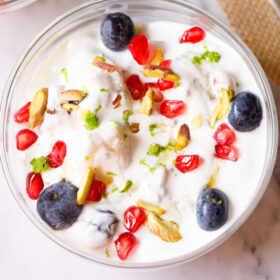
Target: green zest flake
[(152, 169), (111, 173), (84, 92), (174, 161), (116, 125), (112, 191), (152, 127), (40, 164), (154, 150), (126, 115), (213, 200), (161, 164), (104, 90), (127, 186), (207, 55), (177, 84), (91, 120), (86, 157), (231, 92), (64, 72), (107, 253)]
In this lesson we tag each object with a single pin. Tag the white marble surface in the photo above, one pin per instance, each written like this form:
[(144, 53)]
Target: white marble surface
[(25, 253)]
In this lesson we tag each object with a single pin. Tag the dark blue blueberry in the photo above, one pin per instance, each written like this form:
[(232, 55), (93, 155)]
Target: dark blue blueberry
[(57, 205), (211, 209), (245, 112), (117, 30)]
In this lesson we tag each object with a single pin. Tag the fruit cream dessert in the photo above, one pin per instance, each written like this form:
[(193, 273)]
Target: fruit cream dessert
[(140, 145)]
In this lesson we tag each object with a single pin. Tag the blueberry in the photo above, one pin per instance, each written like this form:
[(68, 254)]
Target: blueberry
[(57, 205), (95, 226), (211, 209), (117, 30), (245, 112)]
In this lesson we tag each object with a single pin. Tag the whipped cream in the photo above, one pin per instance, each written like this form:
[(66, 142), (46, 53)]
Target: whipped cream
[(106, 149)]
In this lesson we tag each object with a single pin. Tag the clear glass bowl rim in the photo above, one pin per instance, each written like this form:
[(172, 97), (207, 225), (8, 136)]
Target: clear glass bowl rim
[(254, 201)]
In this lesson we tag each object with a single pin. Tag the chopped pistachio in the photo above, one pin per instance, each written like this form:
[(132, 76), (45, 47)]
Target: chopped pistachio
[(158, 57), (150, 207), (126, 115), (147, 103), (152, 127), (91, 120), (177, 84), (40, 164), (107, 253), (213, 179), (183, 138), (85, 187), (167, 230)]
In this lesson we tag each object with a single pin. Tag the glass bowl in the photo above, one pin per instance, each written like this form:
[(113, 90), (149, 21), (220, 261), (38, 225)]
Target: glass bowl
[(11, 5), (89, 14)]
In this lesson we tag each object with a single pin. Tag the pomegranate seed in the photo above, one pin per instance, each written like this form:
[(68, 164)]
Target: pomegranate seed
[(166, 63), (57, 154), (193, 35), (135, 86), (187, 163), (158, 97), (139, 48), (22, 114), (125, 243), (172, 108), (224, 135), (25, 138), (164, 84), (226, 152), (134, 217), (97, 190), (34, 184)]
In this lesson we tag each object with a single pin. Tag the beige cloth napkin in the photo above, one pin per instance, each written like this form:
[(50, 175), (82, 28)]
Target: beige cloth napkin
[(258, 25)]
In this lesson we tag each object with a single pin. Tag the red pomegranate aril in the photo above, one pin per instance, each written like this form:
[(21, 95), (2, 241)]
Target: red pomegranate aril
[(25, 138), (97, 190), (34, 185), (134, 217), (140, 49), (125, 243), (135, 86), (166, 63), (224, 135), (172, 108), (57, 154), (22, 114), (158, 97), (226, 152), (164, 84), (187, 163), (193, 35)]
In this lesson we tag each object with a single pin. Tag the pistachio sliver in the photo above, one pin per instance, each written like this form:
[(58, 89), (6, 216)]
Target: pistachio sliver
[(100, 63), (72, 95), (38, 107), (183, 138), (213, 179), (69, 107), (147, 103), (85, 187), (166, 230), (158, 58), (213, 117), (150, 207), (225, 103)]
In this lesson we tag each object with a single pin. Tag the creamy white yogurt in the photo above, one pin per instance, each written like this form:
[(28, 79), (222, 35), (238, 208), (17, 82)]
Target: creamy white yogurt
[(109, 151)]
